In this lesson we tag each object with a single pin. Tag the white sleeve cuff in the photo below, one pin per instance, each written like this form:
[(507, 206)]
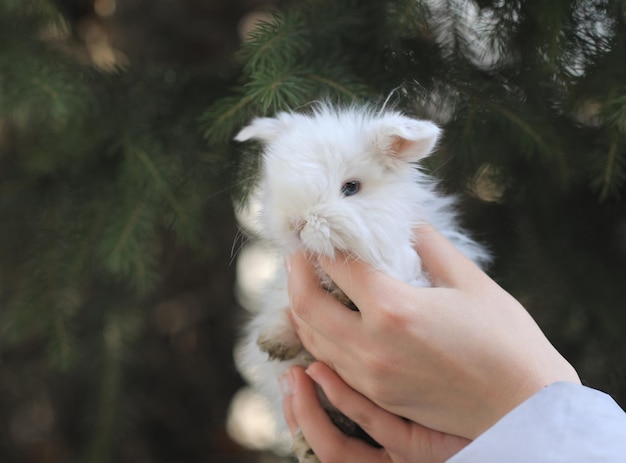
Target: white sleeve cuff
[(563, 422)]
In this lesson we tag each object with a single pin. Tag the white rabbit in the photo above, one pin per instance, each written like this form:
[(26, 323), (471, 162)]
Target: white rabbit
[(340, 179)]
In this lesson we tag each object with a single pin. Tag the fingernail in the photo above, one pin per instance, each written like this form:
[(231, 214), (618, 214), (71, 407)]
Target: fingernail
[(310, 374), (285, 383)]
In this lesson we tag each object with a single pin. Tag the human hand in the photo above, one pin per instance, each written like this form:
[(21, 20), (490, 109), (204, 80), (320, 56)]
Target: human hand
[(401, 440), (455, 358)]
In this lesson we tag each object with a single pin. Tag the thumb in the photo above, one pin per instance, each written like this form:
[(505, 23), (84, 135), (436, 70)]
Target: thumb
[(446, 265)]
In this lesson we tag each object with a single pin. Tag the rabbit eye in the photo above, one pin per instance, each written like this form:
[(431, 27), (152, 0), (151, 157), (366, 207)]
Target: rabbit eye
[(351, 188)]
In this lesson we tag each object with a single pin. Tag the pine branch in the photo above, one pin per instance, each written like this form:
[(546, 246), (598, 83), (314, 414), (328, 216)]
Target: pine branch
[(50, 96), (408, 18), (39, 12), (269, 92), (49, 292), (610, 170), (161, 184), (340, 83), (128, 247), (221, 120), (120, 331), (275, 43), (63, 347), (277, 90), (274, 76)]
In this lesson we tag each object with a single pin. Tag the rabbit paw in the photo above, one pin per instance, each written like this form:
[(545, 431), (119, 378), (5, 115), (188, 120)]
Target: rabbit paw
[(302, 450), (278, 349)]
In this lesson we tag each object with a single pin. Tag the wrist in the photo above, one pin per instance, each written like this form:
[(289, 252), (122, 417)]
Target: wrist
[(509, 398)]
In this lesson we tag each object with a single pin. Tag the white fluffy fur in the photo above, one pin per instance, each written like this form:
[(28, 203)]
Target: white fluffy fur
[(307, 158)]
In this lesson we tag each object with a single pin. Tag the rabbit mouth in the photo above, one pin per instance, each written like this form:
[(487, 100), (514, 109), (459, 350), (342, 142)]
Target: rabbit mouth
[(314, 234)]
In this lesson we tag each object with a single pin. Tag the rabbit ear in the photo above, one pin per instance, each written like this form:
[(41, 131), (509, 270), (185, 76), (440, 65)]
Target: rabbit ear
[(264, 129), (404, 138)]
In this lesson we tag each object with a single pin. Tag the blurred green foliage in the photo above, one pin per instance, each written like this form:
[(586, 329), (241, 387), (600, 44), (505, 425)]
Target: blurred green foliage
[(117, 319), (115, 218)]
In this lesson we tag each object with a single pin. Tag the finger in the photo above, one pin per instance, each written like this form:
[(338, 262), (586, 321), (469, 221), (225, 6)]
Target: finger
[(366, 287), (314, 307), (325, 439), (389, 430), (397, 435), (287, 391), (446, 265)]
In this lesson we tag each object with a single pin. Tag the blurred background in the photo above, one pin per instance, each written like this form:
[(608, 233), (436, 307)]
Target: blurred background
[(125, 272)]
